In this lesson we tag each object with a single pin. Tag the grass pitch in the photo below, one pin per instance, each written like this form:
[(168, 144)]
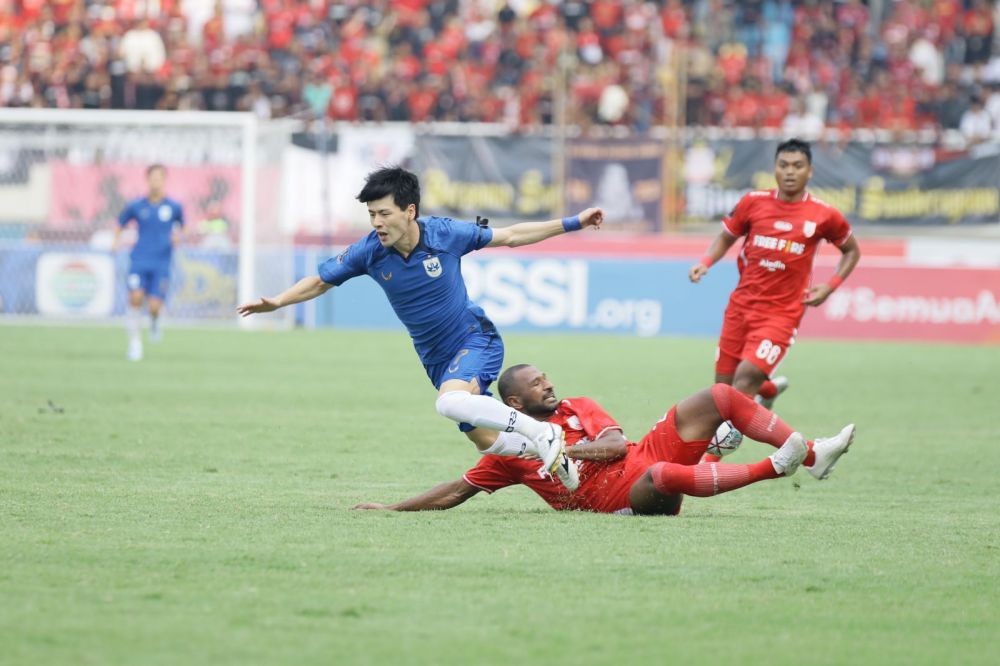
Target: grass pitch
[(193, 509)]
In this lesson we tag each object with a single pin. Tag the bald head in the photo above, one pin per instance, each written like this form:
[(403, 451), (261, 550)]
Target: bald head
[(509, 383), (526, 388)]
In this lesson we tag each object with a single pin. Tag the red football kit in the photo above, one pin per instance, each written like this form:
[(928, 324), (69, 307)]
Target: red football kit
[(604, 485), (775, 264)]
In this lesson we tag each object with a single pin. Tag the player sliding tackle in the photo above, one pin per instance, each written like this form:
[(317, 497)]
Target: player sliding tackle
[(650, 477), (417, 262)]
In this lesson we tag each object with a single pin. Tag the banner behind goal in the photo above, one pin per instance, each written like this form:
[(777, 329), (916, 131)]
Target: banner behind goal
[(66, 175)]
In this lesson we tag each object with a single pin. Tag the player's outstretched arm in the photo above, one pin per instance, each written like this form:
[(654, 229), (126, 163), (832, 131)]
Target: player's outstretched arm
[(717, 250), (612, 445), (849, 257), (527, 233), (303, 290), (443, 496)]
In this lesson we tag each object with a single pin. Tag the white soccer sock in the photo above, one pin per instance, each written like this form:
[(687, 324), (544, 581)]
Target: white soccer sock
[(511, 444), (485, 412), (133, 322)]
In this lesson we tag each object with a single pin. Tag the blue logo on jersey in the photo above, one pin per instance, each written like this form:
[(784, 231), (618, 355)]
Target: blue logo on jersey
[(433, 266)]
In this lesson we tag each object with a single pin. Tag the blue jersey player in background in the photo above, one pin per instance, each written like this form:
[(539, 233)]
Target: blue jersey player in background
[(417, 262), (158, 221)]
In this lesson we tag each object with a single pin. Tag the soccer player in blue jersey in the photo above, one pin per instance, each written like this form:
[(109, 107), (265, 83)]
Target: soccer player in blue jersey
[(417, 262), (158, 220)]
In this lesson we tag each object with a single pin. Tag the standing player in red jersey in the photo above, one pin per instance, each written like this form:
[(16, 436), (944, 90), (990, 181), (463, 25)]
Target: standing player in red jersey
[(648, 477), (782, 229)]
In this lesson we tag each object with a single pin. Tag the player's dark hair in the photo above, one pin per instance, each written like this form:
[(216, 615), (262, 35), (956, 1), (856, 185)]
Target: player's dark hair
[(397, 181), (795, 146), (507, 384), (153, 167)]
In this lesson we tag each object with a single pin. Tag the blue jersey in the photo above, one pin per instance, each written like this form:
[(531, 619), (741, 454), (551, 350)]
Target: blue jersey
[(156, 223), (426, 289)]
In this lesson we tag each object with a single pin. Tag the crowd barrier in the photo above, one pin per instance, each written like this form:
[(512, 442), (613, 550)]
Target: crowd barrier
[(895, 294), (571, 288)]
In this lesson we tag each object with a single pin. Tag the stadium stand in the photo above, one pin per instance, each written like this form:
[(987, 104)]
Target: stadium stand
[(907, 64)]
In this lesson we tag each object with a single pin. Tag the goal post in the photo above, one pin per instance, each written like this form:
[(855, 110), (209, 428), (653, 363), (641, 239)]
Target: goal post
[(65, 174)]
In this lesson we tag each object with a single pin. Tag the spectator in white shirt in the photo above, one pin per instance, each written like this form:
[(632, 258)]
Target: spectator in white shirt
[(142, 49), (993, 103), (976, 123), (799, 122)]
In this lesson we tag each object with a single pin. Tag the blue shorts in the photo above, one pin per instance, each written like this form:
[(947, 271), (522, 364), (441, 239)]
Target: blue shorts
[(153, 281), (480, 357)]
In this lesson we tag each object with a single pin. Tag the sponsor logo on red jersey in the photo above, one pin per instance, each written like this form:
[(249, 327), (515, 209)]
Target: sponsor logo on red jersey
[(779, 244), (772, 265)]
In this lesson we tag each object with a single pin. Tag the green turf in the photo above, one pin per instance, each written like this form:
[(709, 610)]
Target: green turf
[(193, 509)]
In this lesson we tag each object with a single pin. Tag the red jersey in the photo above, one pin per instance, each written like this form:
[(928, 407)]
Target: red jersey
[(776, 259), (604, 485)]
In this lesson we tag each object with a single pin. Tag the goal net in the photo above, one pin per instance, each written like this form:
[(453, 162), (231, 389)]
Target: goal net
[(66, 175)]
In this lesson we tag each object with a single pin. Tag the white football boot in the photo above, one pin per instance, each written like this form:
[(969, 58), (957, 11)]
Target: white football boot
[(780, 383), (828, 451), (552, 449), (135, 350), (787, 459)]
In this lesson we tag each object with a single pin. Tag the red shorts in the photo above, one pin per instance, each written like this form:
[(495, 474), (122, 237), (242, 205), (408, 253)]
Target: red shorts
[(747, 336), (664, 444)]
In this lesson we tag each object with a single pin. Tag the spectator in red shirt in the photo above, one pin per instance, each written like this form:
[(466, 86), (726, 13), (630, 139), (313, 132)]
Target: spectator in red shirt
[(732, 62), (421, 101), (674, 18), (343, 101), (213, 33), (607, 15), (870, 107), (743, 109)]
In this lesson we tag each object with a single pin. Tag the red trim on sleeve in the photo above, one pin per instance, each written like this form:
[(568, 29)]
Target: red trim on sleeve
[(844, 239)]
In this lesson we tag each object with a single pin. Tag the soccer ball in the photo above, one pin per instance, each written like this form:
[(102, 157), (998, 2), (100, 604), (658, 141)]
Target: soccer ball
[(726, 440)]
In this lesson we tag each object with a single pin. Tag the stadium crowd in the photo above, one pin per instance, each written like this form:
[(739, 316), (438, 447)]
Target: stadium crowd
[(801, 65)]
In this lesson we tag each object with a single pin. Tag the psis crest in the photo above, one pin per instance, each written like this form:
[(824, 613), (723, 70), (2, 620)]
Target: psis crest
[(433, 266)]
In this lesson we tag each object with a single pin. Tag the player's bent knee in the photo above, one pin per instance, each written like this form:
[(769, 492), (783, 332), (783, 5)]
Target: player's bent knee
[(748, 385), (722, 395), (647, 500), (451, 405)]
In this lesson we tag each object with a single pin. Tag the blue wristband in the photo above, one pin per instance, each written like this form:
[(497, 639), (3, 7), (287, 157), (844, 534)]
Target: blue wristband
[(572, 223)]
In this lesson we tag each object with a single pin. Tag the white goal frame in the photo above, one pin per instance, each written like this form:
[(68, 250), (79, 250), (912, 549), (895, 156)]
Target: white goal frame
[(250, 129)]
